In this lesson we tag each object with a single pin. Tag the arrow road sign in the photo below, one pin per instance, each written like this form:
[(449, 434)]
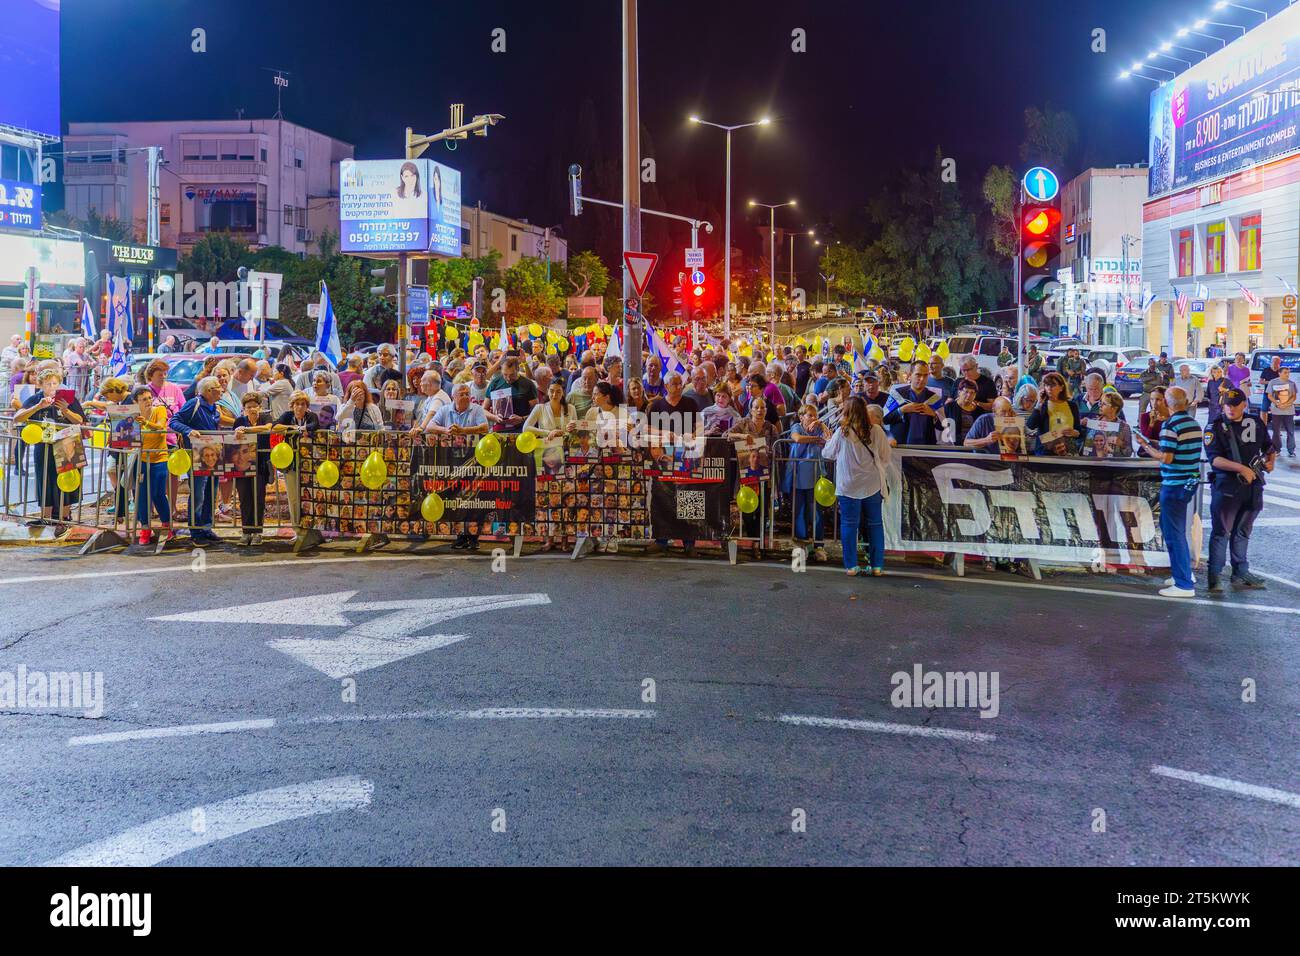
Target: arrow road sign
[(382, 640), (1041, 184), (639, 267)]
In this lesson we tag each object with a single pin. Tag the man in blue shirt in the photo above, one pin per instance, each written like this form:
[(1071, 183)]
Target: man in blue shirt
[(1179, 455), (195, 417), (913, 411)]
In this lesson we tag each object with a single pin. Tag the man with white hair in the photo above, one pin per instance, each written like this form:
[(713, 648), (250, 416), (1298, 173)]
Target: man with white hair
[(385, 371), (582, 394), (241, 379)]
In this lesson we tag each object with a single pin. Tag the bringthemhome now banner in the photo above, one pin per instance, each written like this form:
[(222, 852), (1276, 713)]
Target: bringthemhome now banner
[(1051, 509)]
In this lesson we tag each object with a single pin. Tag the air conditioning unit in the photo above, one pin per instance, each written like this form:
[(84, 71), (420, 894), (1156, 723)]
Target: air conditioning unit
[(305, 235)]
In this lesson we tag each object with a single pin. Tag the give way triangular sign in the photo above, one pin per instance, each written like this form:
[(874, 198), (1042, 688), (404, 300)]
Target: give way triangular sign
[(639, 267)]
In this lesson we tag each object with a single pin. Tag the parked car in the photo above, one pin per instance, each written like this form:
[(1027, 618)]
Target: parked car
[(1262, 359), (183, 367), (232, 330), (984, 348), (1113, 359), (270, 348)]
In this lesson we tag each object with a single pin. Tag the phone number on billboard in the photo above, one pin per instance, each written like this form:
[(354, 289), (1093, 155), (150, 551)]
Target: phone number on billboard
[(383, 238)]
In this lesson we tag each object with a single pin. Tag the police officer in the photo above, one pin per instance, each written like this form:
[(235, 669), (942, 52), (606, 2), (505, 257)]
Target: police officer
[(1240, 451)]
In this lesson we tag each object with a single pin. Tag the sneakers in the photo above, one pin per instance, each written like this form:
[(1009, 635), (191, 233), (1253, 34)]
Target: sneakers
[(1249, 581), (1174, 591), (257, 541), (145, 536), (1214, 585), (820, 556), (461, 542), (245, 540)]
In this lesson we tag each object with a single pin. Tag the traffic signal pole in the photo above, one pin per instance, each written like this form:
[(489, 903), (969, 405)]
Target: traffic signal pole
[(1022, 323), (631, 185)]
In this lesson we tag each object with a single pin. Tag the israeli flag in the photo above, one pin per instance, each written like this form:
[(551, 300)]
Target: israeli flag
[(327, 329), (671, 363), (505, 335), (120, 322), (88, 321)]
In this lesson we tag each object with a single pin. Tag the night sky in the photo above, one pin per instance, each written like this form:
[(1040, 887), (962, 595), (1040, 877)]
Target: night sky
[(881, 86)]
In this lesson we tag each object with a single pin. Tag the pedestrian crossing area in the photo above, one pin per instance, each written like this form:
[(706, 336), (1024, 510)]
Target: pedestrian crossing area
[(1281, 498)]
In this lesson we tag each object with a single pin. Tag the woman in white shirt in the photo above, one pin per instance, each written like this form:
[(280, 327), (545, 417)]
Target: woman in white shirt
[(279, 390), (861, 454), (550, 422), (359, 412)]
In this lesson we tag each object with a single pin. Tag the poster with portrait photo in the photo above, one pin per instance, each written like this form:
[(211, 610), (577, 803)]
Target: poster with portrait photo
[(398, 414), (752, 459), (1012, 439), (239, 456), (123, 426), (69, 452), (207, 454)]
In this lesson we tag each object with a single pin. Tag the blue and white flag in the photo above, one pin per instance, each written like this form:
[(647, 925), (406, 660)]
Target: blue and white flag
[(1147, 299), (121, 322), (897, 399), (505, 335), (1201, 291), (327, 329), (671, 363), (88, 321)]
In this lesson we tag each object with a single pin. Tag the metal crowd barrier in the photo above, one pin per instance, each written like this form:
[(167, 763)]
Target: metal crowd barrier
[(113, 480)]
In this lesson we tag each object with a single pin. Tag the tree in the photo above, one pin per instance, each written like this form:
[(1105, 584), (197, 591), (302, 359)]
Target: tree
[(1050, 135), (530, 296), (999, 190), (586, 274), (116, 230), (215, 258)]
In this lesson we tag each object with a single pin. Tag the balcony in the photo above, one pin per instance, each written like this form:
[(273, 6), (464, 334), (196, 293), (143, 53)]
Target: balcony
[(94, 170), (223, 168)]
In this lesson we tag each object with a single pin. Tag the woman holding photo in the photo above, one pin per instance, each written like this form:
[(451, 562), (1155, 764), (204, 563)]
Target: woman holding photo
[(1057, 415), (551, 422), (1107, 436), (48, 405), (358, 411), (252, 487), (152, 417)]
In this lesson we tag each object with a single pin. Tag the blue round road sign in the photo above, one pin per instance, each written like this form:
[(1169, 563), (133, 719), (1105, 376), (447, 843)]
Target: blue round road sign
[(1041, 184), (697, 277)]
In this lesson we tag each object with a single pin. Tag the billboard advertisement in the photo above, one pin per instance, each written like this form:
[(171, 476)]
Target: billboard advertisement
[(1239, 107), (60, 262), (20, 205), (29, 65), (399, 205)]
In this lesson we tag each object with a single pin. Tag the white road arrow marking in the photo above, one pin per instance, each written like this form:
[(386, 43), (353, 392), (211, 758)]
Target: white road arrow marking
[(382, 640), (158, 840)]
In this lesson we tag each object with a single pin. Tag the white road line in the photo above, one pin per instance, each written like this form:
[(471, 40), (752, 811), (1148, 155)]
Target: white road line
[(158, 840), (1284, 797), (184, 730), (881, 727), (263, 723), (1274, 577), (949, 579), (1276, 522), (1272, 499)]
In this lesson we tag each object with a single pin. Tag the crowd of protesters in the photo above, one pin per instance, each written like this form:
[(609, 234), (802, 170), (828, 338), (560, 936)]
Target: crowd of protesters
[(834, 412)]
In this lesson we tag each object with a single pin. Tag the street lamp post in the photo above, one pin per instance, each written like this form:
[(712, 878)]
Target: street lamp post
[(726, 279), (771, 235), (790, 290)]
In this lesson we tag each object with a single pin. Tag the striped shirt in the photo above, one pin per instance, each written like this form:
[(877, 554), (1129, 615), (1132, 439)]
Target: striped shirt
[(1182, 436)]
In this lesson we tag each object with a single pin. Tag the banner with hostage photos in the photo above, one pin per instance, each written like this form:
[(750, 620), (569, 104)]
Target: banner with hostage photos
[(690, 497), (349, 507), (504, 494)]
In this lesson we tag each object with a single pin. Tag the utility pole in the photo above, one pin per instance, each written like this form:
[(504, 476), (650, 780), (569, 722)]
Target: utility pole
[(152, 228), (632, 333)]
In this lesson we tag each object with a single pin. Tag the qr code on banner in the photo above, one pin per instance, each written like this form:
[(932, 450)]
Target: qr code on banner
[(690, 504)]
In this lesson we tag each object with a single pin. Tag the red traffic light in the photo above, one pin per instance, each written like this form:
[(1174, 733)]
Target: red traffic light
[(1041, 220)]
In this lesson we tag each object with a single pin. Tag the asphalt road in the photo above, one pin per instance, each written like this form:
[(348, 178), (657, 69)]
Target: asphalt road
[(531, 739)]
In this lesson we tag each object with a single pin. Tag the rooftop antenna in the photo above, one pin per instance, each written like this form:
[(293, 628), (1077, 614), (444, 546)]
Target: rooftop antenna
[(281, 82)]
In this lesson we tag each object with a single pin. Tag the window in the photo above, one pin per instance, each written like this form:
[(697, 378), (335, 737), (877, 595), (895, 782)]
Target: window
[(263, 154), (229, 150), (514, 242), (302, 217), (288, 215), (246, 148), (1214, 235), (208, 150), (1185, 251), (1248, 251), (990, 346), (299, 159)]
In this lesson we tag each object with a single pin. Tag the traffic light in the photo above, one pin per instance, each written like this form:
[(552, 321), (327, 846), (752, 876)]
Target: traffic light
[(1040, 247), (388, 274), (694, 294)]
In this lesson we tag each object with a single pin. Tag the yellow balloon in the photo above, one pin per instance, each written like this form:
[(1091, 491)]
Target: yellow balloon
[(487, 451), (942, 350), (747, 499), (534, 329), (562, 345), (551, 335), (179, 462), (817, 343), (449, 333), (69, 481), (327, 474), (876, 353), (432, 507), (922, 353), (905, 351), (32, 433), (824, 492), (800, 340), (475, 338), (527, 442), (282, 456), (580, 330)]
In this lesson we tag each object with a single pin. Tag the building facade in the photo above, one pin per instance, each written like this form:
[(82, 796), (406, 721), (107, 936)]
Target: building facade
[(1101, 255), (1221, 229), (482, 231), (270, 182)]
